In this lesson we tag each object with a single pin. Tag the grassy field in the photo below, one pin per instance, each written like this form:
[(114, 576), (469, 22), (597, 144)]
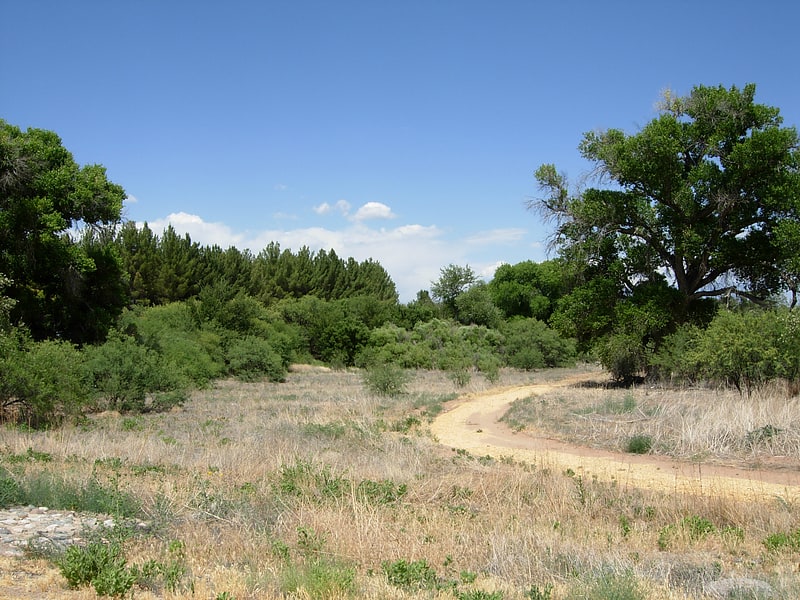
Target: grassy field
[(316, 488)]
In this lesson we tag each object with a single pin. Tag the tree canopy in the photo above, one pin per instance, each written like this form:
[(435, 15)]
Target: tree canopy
[(61, 288), (706, 194)]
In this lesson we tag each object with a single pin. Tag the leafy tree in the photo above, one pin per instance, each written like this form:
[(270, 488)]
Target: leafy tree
[(44, 195), (703, 193), (475, 307), (453, 281), (528, 289)]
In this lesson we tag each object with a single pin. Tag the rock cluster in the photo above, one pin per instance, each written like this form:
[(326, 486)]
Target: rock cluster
[(22, 527)]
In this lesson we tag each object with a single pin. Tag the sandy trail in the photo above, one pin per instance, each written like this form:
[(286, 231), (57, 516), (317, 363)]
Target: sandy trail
[(472, 423)]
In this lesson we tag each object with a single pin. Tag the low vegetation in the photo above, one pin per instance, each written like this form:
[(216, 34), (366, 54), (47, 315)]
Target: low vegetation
[(319, 487)]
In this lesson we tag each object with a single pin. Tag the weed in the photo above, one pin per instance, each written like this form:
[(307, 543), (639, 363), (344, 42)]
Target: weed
[(537, 593), (410, 576), (319, 579), (639, 444), (608, 586), (380, 492), (697, 527), (309, 542), (478, 595), (30, 455), (99, 564), (625, 525), (776, 542), (131, 424)]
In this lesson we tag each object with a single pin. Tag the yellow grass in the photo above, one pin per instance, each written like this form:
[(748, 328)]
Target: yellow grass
[(214, 475)]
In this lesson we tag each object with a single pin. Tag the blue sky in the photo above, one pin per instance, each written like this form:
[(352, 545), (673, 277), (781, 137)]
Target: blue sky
[(404, 131)]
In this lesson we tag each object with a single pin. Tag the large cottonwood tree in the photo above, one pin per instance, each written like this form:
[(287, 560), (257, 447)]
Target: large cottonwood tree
[(707, 194), (62, 287)]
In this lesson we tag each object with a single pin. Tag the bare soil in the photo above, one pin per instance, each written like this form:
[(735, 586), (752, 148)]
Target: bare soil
[(472, 423)]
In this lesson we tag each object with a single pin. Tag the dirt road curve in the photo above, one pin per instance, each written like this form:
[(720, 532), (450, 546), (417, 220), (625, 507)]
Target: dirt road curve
[(472, 423)]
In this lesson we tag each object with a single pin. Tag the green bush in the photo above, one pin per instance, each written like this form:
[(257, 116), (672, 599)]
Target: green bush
[(623, 355), (741, 348), (173, 331), (386, 380), (100, 564), (676, 358), (531, 344), (410, 576), (252, 358), (639, 444), (40, 382), (131, 377)]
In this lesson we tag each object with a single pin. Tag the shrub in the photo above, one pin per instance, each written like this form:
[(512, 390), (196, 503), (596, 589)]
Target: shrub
[(639, 444), (531, 344), (100, 564), (40, 382), (410, 576), (386, 380), (126, 374), (623, 355), (252, 358), (740, 348)]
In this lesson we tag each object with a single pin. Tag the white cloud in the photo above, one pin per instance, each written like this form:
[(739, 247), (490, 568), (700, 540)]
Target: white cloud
[(341, 206), (205, 234), (131, 199), (497, 236), (373, 210)]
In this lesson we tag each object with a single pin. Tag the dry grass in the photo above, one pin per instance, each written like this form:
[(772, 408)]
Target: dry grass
[(263, 484), (715, 425)]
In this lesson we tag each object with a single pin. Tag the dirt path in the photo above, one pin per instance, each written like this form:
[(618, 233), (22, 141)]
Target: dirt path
[(472, 423)]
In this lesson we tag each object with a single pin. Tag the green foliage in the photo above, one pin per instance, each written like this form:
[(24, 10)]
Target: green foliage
[(700, 192), (530, 344), (623, 355), (319, 579), (380, 492), (639, 444), (436, 344), (540, 593), (386, 380), (453, 281), (410, 575), (478, 595), (62, 289), (131, 377), (40, 382), (676, 358), (777, 542), (100, 564), (741, 348), (528, 289), (697, 527), (252, 358), (93, 495), (475, 307), (608, 586)]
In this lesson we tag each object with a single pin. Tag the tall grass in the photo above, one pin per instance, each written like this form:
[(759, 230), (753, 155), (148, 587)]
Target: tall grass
[(264, 486)]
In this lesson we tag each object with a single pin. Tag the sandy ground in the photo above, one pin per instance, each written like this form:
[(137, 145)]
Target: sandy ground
[(472, 423)]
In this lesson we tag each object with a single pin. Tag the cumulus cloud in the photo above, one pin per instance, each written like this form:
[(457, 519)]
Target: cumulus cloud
[(341, 206), (373, 210), (206, 234)]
